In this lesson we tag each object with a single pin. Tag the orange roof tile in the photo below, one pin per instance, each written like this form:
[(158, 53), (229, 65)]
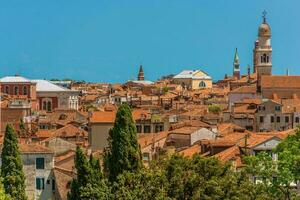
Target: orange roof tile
[(148, 138), (280, 81), (190, 151)]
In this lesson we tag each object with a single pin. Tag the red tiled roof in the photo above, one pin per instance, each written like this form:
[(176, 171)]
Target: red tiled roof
[(280, 81), (190, 151), (245, 89)]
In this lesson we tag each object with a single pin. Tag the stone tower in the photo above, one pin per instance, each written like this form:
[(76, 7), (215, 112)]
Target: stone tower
[(141, 76), (236, 65), (262, 53)]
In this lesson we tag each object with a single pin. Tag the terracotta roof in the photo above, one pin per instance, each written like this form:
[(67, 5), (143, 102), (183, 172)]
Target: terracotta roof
[(103, 117), (280, 81), (62, 180), (244, 109), (190, 151), (34, 148), (185, 130), (148, 138), (66, 155), (110, 116), (228, 154), (44, 133), (245, 89), (70, 131), (228, 140)]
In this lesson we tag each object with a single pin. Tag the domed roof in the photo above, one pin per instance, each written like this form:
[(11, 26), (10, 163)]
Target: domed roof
[(264, 30)]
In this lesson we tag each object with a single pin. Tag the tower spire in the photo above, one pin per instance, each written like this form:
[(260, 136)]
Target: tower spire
[(236, 65), (141, 76)]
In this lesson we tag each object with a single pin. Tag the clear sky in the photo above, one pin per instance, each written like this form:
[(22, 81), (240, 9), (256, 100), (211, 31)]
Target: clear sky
[(107, 40)]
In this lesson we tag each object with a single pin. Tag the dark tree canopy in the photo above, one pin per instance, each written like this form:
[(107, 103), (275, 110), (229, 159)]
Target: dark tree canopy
[(123, 151), (12, 167)]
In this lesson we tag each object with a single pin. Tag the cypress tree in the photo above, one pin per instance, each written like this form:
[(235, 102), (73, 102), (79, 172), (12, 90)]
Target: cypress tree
[(89, 183), (123, 152), (12, 167)]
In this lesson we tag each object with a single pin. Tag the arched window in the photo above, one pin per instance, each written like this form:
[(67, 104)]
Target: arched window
[(44, 105), (16, 90), (264, 58), (6, 89), (49, 106), (268, 59), (25, 90), (202, 84)]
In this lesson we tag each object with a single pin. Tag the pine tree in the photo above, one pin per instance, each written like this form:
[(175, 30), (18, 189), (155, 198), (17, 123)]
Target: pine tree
[(12, 168), (123, 151)]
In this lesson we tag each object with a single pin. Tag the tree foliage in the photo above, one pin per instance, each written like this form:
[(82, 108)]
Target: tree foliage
[(215, 109), (12, 167), (277, 176), (123, 151), (89, 183)]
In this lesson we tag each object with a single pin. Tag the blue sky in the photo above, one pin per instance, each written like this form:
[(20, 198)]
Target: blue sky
[(106, 40)]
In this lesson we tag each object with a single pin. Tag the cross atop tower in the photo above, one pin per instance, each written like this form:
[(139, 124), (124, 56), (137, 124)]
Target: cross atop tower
[(264, 13)]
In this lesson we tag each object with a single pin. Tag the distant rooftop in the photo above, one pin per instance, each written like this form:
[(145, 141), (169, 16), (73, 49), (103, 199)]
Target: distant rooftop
[(14, 79), (47, 86), (193, 74)]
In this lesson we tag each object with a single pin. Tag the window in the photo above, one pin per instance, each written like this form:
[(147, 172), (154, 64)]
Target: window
[(16, 90), (25, 90), (40, 163), (278, 119), (53, 184), (159, 128), (44, 105), (138, 128), (264, 58), (297, 119), (261, 119), (147, 129), (202, 84), (272, 119), (287, 119), (49, 106), (277, 108), (146, 156), (261, 108), (40, 183), (7, 90)]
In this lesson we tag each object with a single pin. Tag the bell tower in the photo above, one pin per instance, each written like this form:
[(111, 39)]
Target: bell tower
[(236, 65), (262, 52), (141, 76)]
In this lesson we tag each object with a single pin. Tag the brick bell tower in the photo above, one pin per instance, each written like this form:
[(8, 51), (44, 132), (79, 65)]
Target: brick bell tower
[(141, 76), (236, 65)]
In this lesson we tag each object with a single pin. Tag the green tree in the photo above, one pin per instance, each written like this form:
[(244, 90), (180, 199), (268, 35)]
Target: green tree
[(215, 109), (147, 184), (22, 125), (89, 183), (123, 151), (277, 176), (12, 167), (3, 195)]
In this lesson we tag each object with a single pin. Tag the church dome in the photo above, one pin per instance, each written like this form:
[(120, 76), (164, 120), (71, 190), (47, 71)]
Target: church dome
[(264, 30)]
